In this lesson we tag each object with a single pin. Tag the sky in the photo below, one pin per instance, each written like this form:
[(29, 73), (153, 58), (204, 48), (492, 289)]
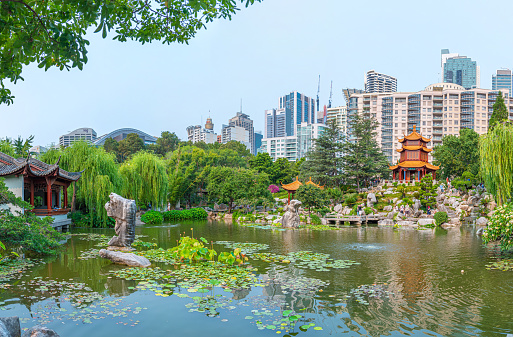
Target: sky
[(266, 51)]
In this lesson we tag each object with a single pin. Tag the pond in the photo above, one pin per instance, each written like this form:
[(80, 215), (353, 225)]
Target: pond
[(401, 282)]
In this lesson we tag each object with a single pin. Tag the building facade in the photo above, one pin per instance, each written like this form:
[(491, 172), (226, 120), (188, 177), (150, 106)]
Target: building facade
[(280, 147), (120, 134), (87, 134), (195, 133), (339, 115), (243, 120), (460, 70), (298, 109), (377, 82), (236, 133), (502, 79), (306, 135), (440, 109)]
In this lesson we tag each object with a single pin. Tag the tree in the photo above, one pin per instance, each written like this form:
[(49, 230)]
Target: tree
[(145, 179), (262, 162), (168, 142), (496, 158), (130, 145), (324, 164), (427, 192), (311, 196), (22, 147), (500, 111), (112, 146), (52, 33), (280, 171), (238, 147), (458, 154), (363, 158), (6, 147)]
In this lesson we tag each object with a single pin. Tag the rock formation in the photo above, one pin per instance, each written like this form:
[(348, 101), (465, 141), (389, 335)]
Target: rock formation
[(10, 327), (291, 217), (40, 331), (129, 259), (123, 211)]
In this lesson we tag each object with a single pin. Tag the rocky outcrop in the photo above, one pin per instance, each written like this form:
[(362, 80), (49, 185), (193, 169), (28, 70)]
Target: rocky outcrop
[(455, 221), (407, 224), (371, 199), (338, 208), (424, 222), (482, 221), (10, 327), (291, 217), (388, 208), (129, 259), (40, 331), (123, 211), (386, 222)]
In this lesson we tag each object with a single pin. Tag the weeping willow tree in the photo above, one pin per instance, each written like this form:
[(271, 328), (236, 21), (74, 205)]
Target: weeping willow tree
[(100, 177), (145, 179), (496, 155)]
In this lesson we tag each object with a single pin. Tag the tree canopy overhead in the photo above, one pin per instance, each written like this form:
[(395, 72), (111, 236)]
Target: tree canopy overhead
[(52, 33)]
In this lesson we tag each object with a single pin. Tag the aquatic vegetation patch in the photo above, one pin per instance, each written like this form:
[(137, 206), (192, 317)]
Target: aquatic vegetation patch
[(158, 255), (503, 265), (270, 257), (318, 261), (140, 273), (246, 248), (14, 269), (144, 244), (365, 293)]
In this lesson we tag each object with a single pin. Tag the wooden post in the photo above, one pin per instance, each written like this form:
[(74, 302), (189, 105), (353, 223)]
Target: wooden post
[(32, 192), (66, 196), (48, 195)]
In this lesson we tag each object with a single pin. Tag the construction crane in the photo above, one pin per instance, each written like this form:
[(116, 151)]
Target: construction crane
[(331, 95), (318, 91)]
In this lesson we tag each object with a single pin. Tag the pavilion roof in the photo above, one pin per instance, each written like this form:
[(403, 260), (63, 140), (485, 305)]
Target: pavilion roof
[(415, 164), (33, 167), (293, 186), (413, 148), (414, 136), (310, 182)]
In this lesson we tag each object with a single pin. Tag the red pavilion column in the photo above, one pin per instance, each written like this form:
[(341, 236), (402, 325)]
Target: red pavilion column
[(393, 175), (32, 192), (49, 195), (65, 196)]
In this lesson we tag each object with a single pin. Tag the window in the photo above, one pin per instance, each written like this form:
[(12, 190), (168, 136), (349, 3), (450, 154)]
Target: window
[(445, 109), (429, 110), (397, 105), (404, 112), (423, 109), (404, 105), (396, 125), (424, 123), (397, 111), (455, 122), (450, 115), (478, 101)]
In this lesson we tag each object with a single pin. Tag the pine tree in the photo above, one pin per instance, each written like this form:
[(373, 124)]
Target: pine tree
[(500, 111), (324, 163), (363, 158)]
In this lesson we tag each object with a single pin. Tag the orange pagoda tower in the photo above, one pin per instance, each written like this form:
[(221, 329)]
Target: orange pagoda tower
[(413, 164)]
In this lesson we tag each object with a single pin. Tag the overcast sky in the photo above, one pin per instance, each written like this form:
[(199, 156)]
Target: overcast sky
[(266, 51)]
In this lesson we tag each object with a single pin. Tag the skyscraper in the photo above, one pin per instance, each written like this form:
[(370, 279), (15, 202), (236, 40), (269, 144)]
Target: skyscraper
[(445, 55), (377, 82), (245, 122), (460, 70), (298, 109), (502, 80)]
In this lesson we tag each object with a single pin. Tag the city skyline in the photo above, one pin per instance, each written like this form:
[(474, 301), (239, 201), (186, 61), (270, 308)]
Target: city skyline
[(167, 88)]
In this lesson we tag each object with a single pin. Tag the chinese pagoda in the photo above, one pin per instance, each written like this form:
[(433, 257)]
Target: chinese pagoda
[(413, 164), (293, 186), (31, 179)]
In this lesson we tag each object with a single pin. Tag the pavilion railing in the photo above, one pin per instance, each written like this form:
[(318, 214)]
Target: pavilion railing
[(46, 212)]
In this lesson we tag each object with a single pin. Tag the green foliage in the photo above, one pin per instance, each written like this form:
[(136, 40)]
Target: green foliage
[(427, 194), (80, 219), (191, 250), (6, 146), (145, 179), (324, 164), (350, 198), (100, 177), (22, 147), (190, 214), (315, 219), (8, 197), (496, 154), (401, 189), (440, 218), (363, 158), (368, 210), (335, 194), (500, 111), (52, 34), (465, 182), (457, 154), (311, 196), (152, 218), (129, 146), (30, 232), (500, 227)]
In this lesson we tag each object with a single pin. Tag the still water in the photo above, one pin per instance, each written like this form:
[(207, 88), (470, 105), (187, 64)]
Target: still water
[(408, 282)]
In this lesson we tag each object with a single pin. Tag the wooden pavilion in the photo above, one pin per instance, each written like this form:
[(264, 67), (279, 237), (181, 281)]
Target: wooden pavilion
[(293, 186), (29, 178), (413, 164)]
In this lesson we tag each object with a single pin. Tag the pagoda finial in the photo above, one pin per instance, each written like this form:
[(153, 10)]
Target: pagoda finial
[(414, 127)]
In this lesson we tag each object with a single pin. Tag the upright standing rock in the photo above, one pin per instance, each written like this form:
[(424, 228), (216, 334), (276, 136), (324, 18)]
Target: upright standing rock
[(291, 217), (123, 211), (10, 327), (40, 331), (371, 199)]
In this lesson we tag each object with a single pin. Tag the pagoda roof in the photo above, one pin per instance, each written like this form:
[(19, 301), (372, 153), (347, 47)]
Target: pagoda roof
[(413, 148), (414, 136), (293, 186), (310, 182), (34, 168), (415, 164)]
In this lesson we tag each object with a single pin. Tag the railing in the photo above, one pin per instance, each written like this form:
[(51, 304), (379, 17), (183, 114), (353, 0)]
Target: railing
[(46, 212)]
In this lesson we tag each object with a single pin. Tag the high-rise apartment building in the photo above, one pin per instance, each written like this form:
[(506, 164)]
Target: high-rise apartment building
[(440, 109), (236, 133), (87, 134), (275, 123), (298, 109), (460, 70), (306, 134), (339, 115), (280, 147), (445, 55), (245, 122), (377, 82), (195, 133), (502, 80)]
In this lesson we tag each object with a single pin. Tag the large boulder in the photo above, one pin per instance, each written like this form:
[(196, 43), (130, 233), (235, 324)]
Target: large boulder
[(391, 215), (346, 210), (386, 222), (338, 208), (129, 259), (388, 208), (455, 221), (371, 199), (124, 212), (291, 217), (40, 331), (464, 207), (491, 205), (482, 221), (424, 222), (406, 224), (10, 327)]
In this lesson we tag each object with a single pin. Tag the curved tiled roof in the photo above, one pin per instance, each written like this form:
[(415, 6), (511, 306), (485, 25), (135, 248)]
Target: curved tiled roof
[(146, 137), (413, 148), (414, 136), (310, 182), (293, 186), (33, 167), (415, 164)]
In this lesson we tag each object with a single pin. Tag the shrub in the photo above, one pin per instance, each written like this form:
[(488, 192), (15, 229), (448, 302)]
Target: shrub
[(189, 214), (273, 189), (500, 227), (152, 218), (440, 218), (315, 219), (368, 210), (80, 219), (32, 233)]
